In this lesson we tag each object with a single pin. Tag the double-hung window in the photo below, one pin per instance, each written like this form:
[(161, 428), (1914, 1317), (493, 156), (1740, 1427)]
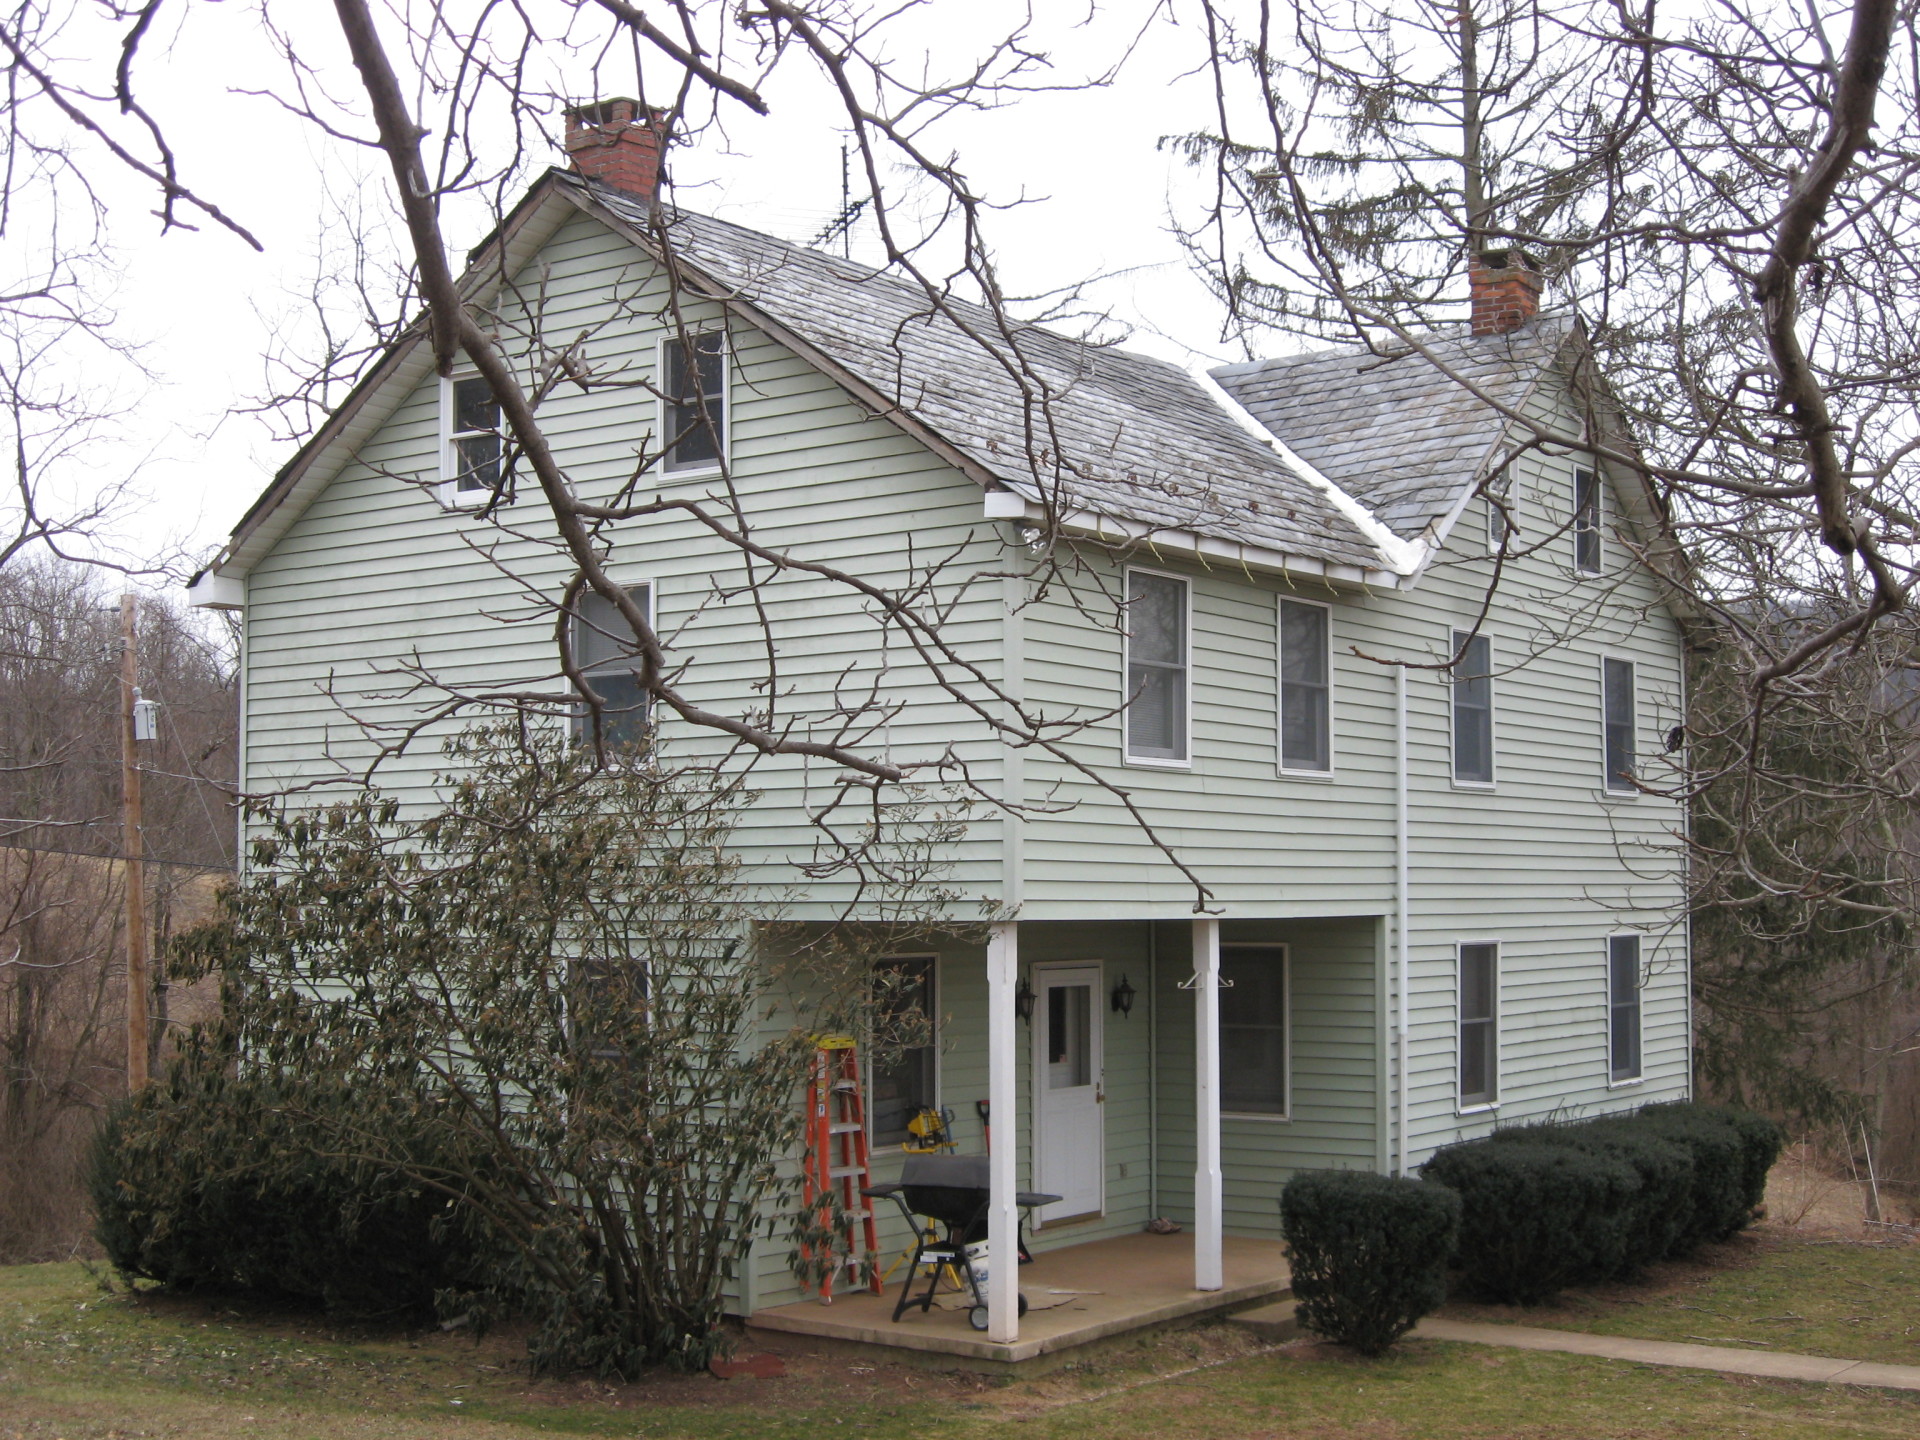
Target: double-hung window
[(1479, 1024), (471, 463), (1253, 1030), (695, 411), (1472, 708), (1623, 1007), (1157, 680), (605, 650), (1617, 726), (905, 1084), (1306, 709), (1586, 521)]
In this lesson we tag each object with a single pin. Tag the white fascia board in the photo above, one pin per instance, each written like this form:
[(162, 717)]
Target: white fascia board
[(1209, 551), (1403, 557)]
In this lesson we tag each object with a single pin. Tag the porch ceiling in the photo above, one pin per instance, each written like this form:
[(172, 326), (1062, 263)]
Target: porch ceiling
[(1091, 1291)]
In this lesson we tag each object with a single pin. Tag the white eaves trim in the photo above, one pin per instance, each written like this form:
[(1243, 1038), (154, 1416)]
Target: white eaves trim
[(1207, 550), (1403, 557)]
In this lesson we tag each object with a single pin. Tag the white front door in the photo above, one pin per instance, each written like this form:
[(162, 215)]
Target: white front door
[(1069, 1131)]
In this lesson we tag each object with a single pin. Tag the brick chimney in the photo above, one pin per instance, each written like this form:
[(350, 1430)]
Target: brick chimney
[(617, 143), (1505, 288)]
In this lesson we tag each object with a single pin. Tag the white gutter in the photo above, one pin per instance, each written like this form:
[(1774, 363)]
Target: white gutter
[(1403, 903), (1403, 557)]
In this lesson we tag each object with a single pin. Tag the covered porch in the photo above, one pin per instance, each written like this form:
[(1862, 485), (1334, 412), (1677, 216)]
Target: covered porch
[(1139, 1069), (1077, 1295)]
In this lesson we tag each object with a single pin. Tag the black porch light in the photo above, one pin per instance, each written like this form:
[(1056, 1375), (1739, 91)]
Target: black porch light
[(1123, 994), (1023, 999)]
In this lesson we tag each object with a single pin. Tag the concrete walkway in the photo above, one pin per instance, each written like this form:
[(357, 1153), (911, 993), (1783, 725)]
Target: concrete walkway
[(1668, 1352)]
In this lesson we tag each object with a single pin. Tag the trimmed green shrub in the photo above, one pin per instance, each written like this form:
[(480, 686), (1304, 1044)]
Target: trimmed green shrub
[(1534, 1217), (204, 1180), (1720, 1206), (1760, 1140), (1369, 1253), (1662, 1208)]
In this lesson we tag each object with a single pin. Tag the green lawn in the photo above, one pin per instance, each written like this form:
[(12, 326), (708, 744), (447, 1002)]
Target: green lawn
[(76, 1364), (1764, 1291)]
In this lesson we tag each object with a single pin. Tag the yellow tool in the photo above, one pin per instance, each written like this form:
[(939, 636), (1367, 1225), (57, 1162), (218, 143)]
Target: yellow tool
[(929, 1132)]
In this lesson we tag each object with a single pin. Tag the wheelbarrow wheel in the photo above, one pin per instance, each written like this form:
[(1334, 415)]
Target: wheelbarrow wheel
[(977, 1316)]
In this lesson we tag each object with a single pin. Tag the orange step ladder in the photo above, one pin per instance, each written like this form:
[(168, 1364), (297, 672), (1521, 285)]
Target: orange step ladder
[(836, 1163)]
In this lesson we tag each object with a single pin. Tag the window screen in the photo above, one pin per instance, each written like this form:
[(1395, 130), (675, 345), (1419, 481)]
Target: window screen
[(1623, 1007), (1586, 522), (476, 435), (1253, 1029), (1473, 708), (1479, 1037), (1618, 703), (696, 386), (904, 1086), (1306, 737), (1156, 667), (603, 648)]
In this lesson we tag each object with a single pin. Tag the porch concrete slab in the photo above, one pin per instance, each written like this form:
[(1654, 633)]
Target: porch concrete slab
[(1815, 1368), (1092, 1291)]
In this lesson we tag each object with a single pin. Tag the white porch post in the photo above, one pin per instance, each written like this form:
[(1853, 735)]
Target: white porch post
[(1003, 1216), (1208, 1268)]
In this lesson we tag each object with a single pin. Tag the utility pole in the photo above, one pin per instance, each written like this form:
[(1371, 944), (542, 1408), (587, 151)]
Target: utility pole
[(133, 846)]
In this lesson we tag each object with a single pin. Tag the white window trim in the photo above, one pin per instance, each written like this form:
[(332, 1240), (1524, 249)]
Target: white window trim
[(1461, 1105), (1608, 791), (661, 406), (1262, 1117), (1127, 757), (651, 610), (933, 1000), (1493, 717), (1639, 990), (447, 488), (1599, 518), (1295, 772)]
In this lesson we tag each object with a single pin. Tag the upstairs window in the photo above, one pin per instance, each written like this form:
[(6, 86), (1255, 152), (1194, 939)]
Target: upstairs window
[(604, 648), (695, 423), (1472, 709), (1623, 1007), (1616, 681), (1306, 730), (1156, 698), (1586, 522), (1253, 1029), (1479, 1024), (1499, 515), (904, 1086), (473, 441)]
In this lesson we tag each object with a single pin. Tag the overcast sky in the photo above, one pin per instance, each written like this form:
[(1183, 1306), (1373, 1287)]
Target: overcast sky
[(205, 307)]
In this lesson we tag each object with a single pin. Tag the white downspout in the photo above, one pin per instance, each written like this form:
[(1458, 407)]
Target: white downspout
[(1403, 902)]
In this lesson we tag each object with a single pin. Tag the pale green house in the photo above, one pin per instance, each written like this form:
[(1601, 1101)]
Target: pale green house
[(1440, 895)]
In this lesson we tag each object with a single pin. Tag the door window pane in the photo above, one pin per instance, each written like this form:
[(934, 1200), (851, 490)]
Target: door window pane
[(1305, 729), (1069, 1036), (1473, 708), (1479, 1035), (1617, 681), (1623, 1007), (1156, 667), (1253, 1029)]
